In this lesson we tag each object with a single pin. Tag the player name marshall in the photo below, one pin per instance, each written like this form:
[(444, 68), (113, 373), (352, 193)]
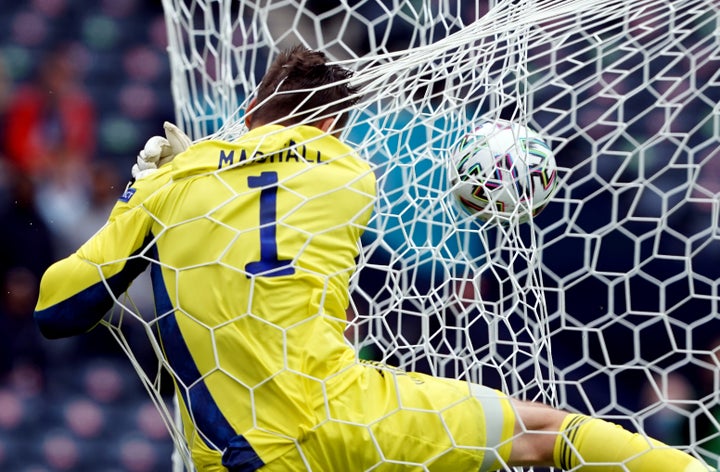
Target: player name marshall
[(292, 153)]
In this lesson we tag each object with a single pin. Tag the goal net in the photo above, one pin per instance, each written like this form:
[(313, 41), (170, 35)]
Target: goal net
[(604, 303)]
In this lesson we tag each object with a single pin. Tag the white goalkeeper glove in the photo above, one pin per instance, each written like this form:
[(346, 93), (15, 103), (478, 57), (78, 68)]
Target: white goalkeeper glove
[(160, 150)]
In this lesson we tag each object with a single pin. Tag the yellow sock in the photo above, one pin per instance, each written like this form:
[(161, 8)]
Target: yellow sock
[(591, 441)]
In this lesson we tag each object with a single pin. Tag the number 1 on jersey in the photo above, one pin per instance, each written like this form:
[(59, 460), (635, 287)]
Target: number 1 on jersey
[(269, 264)]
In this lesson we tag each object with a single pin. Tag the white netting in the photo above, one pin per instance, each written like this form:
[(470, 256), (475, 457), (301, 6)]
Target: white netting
[(607, 302)]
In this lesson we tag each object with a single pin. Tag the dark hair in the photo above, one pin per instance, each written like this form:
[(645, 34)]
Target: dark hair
[(301, 87)]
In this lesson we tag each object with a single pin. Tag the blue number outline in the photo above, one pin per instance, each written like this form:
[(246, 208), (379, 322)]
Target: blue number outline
[(269, 264)]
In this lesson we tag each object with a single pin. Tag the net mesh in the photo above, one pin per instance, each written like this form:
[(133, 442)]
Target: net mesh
[(606, 302)]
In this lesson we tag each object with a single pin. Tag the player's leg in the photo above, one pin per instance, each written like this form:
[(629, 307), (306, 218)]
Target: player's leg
[(546, 436), (536, 432)]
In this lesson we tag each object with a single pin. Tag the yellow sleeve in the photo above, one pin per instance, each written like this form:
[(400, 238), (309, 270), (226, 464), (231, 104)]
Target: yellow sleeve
[(76, 292), (584, 440)]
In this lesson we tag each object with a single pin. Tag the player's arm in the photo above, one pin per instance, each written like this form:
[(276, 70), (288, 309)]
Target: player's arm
[(76, 292)]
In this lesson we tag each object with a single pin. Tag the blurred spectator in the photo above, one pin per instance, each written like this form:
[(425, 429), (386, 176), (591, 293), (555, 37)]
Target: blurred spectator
[(23, 356), (104, 188), (668, 400), (61, 451), (49, 135), (85, 418), (707, 378), (137, 454), (25, 241), (53, 118), (25, 253), (5, 89)]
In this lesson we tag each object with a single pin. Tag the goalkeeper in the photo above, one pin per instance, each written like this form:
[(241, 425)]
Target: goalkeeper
[(251, 245)]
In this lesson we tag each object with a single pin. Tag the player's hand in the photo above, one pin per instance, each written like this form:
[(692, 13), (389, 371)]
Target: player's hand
[(160, 150)]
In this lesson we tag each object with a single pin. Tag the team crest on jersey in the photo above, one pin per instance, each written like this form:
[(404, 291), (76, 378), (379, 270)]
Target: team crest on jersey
[(127, 194)]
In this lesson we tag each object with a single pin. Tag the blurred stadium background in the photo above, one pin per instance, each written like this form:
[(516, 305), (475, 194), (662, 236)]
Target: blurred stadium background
[(97, 70)]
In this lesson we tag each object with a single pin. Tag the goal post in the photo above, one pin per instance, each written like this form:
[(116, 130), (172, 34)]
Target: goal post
[(606, 302)]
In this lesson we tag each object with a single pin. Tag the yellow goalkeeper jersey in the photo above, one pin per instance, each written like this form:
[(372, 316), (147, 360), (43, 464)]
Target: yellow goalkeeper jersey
[(251, 245)]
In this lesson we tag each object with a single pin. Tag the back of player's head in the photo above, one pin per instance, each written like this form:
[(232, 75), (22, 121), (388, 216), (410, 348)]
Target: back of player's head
[(301, 87)]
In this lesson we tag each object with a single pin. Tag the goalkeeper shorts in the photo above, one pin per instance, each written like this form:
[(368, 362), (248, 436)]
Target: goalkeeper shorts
[(390, 420)]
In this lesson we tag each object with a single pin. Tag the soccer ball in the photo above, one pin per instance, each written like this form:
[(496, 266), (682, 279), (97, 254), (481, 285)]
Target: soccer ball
[(503, 171)]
